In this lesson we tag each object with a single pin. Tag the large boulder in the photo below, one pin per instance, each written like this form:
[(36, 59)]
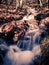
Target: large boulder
[(13, 30)]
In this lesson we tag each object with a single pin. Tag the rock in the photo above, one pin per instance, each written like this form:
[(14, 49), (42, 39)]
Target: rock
[(45, 21), (41, 16), (9, 17), (45, 24), (44, 54), (18, 35), (0, 1), (14, 30), (17, 17), (7, 27)]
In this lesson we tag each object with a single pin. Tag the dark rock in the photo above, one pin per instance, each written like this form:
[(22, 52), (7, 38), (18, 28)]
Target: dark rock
[(45, 24), (0, 1), (13, 30), (44, 54), (41, 16)]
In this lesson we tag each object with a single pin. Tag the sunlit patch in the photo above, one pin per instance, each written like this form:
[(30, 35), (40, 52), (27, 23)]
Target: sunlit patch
[(31, 11), (28, 17)]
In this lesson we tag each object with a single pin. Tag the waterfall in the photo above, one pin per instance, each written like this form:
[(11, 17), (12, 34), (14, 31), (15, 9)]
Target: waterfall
[(30, 49), (20, 57), (32, 37), (27, 50)]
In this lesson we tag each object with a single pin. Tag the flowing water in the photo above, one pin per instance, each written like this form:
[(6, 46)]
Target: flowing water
[(28, 48), (32, 36)]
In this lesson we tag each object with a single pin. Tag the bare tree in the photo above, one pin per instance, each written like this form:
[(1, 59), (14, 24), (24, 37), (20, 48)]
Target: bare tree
[(43, 3), (19, 4)]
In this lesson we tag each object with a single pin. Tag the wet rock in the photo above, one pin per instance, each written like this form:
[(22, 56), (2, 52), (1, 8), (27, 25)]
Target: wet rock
[(9, 17), (7, 27), (13, 30), (0, 1), (41, 16), (22, 28), (44, 54), (17, 17), (45, 21), (18, 35), (45, 24)]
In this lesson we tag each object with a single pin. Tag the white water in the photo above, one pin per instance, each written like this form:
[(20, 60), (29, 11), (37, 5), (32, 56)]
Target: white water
[(31, 38), (30, 45), (19, 57)]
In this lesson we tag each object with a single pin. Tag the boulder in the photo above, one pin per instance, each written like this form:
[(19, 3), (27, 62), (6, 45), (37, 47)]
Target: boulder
[(14, 30), (44, 54)]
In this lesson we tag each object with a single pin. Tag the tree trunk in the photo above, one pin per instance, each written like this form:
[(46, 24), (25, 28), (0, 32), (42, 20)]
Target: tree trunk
[(19, 4)]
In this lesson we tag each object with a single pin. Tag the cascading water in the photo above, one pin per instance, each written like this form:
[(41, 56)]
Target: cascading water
[(32, 36), (30, 45), (28, 48)]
